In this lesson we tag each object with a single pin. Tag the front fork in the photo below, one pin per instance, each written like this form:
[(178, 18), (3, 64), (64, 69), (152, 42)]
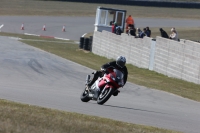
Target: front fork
[(87, 79), (99, 85), (106, 87)]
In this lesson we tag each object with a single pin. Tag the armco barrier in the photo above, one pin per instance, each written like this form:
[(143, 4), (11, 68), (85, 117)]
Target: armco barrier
[(174, 59)]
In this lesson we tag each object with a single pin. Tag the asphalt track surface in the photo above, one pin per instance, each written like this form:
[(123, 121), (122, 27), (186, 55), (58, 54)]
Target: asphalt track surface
[(32, 76), (77, 26)]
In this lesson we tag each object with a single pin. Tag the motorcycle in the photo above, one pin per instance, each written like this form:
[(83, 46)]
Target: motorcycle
[(107, 86)]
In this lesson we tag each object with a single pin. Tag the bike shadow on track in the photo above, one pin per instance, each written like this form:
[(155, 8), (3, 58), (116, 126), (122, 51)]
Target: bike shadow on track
[(135, 109)]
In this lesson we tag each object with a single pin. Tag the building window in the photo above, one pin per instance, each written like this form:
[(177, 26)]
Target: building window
[(103, 17), (119, 18), (110, 17)]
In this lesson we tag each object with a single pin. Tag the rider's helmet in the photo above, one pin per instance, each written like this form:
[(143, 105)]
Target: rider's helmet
[(121, 61)]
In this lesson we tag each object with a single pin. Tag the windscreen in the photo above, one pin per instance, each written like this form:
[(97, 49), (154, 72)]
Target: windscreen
[(119, 77)]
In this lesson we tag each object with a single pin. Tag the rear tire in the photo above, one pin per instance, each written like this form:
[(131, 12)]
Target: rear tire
[(103, 97), (84, 96)]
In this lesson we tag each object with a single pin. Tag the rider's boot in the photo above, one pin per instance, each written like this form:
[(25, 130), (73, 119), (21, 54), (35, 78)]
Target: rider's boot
[(96, 75), (116, 93)]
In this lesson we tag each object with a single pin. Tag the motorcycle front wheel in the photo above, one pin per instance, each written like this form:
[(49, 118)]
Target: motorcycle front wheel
[(104, 96), (84, 95)]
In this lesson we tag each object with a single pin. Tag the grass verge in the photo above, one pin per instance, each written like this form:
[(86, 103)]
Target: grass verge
[(137, 75), (21, 118)]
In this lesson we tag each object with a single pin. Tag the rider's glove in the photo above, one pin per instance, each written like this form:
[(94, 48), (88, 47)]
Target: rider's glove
[(103, 70)]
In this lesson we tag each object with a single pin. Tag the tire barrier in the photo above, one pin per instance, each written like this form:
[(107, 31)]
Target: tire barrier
[(86, 44), (81, 43)]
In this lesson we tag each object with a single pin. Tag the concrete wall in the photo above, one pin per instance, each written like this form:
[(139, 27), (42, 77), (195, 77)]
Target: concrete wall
[(174, 59), (178, 59), (136, 51)]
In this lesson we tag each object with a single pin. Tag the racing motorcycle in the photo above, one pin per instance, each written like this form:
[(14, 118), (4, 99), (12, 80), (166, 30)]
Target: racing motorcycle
[(107, 85)]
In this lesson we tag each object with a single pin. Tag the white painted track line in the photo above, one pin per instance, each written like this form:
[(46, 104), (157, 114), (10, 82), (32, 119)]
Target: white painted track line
[(1, 27)]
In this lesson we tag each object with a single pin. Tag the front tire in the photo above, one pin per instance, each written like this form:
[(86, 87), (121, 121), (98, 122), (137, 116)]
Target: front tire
[(84, 95), (103, 97)]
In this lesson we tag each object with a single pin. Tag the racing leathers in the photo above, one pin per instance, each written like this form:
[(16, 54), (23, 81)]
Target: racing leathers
[(104, 67)]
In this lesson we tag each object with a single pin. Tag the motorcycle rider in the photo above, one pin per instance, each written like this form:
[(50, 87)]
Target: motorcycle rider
[(118, 64)]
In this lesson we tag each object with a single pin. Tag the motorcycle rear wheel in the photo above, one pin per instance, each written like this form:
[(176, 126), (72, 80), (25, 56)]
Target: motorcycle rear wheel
[(103, 97), (84, 96)]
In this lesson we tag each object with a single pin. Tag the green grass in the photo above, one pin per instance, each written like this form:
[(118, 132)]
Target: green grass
[(21, 118), (137, 75)]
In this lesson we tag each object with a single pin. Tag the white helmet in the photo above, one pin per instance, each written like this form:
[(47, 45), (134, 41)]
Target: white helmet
[(121, 61)]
